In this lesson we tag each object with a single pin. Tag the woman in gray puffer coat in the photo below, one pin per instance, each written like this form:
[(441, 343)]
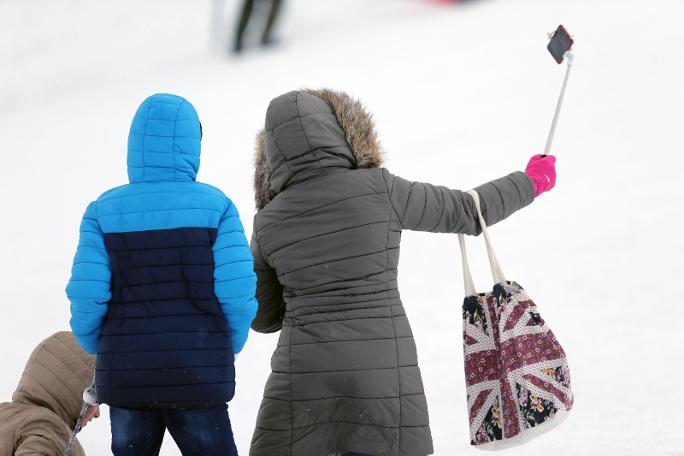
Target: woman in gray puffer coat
[(326, 236)]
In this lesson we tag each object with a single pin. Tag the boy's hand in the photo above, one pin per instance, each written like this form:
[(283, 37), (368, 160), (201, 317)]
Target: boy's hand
[(92, 412)]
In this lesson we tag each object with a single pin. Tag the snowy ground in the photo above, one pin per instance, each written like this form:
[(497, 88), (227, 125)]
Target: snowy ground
[(461, 95)]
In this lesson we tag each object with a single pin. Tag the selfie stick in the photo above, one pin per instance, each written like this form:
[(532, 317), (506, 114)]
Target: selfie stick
[(77, 428), (89, 398), (568, 56)]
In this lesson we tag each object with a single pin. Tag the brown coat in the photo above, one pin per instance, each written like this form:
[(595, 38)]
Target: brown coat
[(48, 400)]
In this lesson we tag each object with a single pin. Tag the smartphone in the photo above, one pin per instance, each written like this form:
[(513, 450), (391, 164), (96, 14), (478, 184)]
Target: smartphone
[(560, 43)]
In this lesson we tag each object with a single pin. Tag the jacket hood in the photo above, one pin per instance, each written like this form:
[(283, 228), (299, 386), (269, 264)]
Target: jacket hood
[(55, 376), (308, 133), (164, 141)]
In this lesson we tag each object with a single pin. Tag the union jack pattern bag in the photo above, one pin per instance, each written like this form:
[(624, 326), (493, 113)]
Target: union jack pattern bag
[(517, 376)]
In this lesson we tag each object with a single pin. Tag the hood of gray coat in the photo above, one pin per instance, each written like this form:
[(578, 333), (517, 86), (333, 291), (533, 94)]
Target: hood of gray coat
[(309, 133)]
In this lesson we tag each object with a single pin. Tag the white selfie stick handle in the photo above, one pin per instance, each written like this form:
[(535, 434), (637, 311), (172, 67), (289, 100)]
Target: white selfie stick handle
[(568, 57)]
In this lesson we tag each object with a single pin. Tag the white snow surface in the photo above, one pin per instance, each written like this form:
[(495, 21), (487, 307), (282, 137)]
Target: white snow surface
[(461, 95)]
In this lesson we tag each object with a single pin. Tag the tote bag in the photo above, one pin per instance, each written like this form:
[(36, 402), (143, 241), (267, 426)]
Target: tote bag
[(517, 376)]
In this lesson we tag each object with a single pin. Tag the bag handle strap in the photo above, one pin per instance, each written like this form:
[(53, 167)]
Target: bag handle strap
[(497, 272), (468, 284)]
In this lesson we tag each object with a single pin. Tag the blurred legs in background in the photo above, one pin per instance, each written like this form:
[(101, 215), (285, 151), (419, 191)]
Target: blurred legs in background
[(267, 35), (246, 17)]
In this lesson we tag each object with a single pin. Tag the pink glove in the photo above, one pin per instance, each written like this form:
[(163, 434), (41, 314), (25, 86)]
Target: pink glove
[(542, 172)]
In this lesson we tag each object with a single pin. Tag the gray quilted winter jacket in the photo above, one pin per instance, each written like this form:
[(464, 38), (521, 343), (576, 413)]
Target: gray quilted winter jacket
[(345, 375)]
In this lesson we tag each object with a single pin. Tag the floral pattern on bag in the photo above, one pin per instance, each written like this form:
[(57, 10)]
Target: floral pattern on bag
[(474, 314), (561, 374), (512, 360), (535, 409), (491, 428)]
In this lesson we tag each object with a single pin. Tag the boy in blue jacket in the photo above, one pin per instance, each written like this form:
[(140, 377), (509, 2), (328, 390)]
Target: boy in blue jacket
[(162, 289)]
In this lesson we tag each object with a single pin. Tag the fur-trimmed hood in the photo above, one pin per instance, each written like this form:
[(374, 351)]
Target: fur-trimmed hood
[(308, 133)]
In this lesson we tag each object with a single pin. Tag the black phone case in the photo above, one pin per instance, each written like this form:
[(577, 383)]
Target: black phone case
[(560, 43)]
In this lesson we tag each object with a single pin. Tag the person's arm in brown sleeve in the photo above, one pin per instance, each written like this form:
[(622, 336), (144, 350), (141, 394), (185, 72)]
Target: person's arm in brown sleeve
[(46, 436)]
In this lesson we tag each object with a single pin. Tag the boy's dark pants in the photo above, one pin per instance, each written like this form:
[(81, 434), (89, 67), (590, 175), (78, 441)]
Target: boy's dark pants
[(198, 432)]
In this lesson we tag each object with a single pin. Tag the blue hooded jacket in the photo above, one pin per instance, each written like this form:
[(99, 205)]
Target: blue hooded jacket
[(162, 285)]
